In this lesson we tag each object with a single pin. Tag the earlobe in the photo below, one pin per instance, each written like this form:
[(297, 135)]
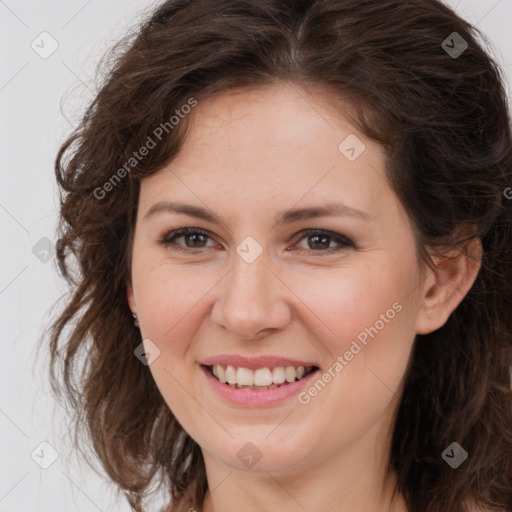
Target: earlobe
[(447, 285)]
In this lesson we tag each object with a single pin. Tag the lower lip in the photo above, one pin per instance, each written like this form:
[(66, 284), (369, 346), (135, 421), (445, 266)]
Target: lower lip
[(256, 397)]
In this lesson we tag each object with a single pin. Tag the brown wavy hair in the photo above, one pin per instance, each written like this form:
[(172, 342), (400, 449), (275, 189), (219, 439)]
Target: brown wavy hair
[(444, 123)]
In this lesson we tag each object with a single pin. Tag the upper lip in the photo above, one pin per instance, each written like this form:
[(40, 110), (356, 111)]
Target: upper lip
[(254, 363)]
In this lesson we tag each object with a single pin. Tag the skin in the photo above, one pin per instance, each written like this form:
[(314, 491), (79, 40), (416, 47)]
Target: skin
[(248, 156)]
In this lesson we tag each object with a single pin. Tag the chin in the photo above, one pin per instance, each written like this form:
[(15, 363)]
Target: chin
[(262, 453)]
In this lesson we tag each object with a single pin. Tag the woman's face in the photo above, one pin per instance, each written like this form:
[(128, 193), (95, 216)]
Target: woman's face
[(253, 290)]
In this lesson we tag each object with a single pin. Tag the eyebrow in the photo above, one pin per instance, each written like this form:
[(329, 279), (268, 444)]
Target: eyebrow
[(282, 217)]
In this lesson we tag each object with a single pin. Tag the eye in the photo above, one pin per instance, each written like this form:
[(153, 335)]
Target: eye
[(317, 240), (195, 237)]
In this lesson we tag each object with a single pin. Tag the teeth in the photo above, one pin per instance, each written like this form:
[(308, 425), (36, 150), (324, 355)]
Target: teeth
[(290, 374), (244, 377), (231, 374), (262, 377), (221, 374), (278, 376)]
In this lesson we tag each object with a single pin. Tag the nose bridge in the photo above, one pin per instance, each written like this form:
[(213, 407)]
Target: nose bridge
[(250, 278), (251, 300)]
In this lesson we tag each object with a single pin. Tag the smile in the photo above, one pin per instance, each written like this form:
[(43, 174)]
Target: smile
[(259, 379), (272, 393)]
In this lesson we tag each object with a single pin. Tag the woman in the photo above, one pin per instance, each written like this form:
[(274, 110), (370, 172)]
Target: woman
[(304, 207)]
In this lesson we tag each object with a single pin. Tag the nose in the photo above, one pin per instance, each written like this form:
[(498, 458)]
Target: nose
[(252, 301)]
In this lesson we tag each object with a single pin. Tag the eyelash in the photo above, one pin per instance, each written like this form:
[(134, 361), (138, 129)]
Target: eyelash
[(170, 237)]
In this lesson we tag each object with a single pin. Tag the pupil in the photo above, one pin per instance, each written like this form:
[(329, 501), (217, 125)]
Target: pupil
[(325, 239), (193, 235)]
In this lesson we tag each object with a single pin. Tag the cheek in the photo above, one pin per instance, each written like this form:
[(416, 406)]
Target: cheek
[(171, 301), (353, 303), (365, 316), (333, 308), (336, 305)]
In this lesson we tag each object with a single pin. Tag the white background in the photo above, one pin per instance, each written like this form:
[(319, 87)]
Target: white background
[(31, 130)]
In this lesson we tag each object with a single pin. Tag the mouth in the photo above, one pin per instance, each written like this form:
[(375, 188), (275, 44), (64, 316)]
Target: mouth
[(260, 378)]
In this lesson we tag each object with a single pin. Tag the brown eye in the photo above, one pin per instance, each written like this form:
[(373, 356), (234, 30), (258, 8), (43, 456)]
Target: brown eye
[(320, 241), (193, 238)]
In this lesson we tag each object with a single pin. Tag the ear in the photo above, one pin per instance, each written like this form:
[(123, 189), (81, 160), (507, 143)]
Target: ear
[(130, 297), (447, 284)]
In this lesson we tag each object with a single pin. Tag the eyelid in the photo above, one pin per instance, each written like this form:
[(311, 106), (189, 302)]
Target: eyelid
[(179, 232), (343, 241)]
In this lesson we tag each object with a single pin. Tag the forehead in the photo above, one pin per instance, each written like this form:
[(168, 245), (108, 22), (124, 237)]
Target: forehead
[(280, 118), (273, 145)]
